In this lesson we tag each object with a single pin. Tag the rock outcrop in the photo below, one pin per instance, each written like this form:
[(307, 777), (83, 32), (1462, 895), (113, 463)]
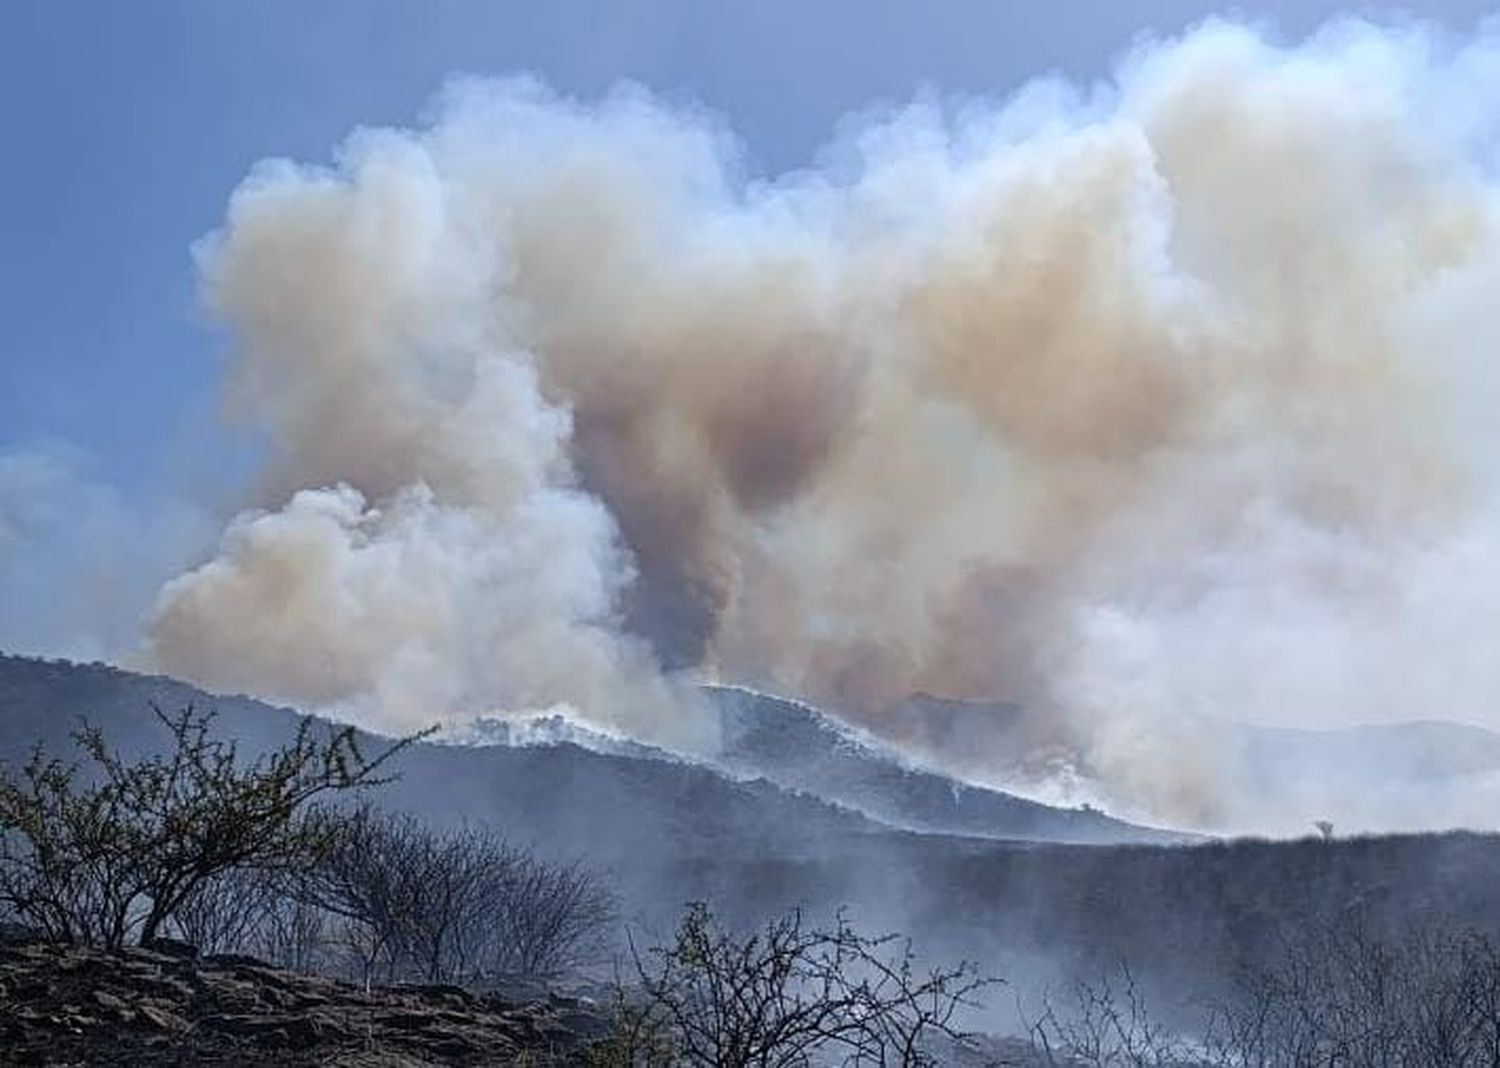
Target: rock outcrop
[(70, 1005)]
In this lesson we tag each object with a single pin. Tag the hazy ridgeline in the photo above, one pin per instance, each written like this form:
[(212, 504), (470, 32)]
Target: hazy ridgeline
[(1201, 927)]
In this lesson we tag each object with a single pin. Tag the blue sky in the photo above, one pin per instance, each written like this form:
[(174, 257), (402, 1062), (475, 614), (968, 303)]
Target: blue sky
[(127, 125)]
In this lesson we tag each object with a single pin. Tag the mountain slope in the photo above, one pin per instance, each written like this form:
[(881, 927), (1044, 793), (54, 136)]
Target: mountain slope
[(668, 831), (1407, 776), (1411, 776), (639, 815), (801, 748), (1416, 752)]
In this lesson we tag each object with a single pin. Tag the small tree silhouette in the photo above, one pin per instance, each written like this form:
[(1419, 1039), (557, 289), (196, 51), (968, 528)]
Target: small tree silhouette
[(454, 905), (1325, 828), (114, 853), (787, 996)]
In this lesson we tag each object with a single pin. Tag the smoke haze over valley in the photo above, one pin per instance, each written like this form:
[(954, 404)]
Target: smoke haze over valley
[(1126, 441)]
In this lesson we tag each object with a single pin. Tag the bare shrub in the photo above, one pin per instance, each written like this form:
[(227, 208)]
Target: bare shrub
[(1344, 996), (1103, 1023), (1334, 996), (258, 913), (548, 919), (226, 914), (783, 996), (458, 905), (117, 852)]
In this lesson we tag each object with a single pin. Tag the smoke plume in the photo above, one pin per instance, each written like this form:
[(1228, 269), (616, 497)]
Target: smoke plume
[(1149, 406)]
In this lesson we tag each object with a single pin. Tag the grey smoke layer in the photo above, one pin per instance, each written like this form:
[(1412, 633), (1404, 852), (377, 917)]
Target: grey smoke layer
[(1150, 406)]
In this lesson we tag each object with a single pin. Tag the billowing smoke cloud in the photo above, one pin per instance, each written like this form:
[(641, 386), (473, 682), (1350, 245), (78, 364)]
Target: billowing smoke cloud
[(1152, 406)]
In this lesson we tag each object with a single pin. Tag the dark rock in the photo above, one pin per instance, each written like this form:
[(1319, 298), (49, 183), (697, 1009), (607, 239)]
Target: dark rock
[(174, 947), (437, 990), (105, 1000), (284, 1030), (70, 1005), (160, 1018), (232, 960)]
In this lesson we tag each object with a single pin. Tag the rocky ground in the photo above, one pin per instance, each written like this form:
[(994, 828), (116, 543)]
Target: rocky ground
[(77, 1006)]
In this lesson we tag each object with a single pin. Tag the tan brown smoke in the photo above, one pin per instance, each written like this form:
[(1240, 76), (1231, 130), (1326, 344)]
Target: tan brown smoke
[(1150, 407)]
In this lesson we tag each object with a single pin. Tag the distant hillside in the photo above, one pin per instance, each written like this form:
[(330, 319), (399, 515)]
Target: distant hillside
[(802, 748), (1417, 752), (1404, 776), (641, 815), (667, 831), (559, 783), (995, 731), (1413, 776), (45, 700)]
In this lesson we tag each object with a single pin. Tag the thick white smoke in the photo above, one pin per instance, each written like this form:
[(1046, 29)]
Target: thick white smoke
[(1152, 407), (475, 575)]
